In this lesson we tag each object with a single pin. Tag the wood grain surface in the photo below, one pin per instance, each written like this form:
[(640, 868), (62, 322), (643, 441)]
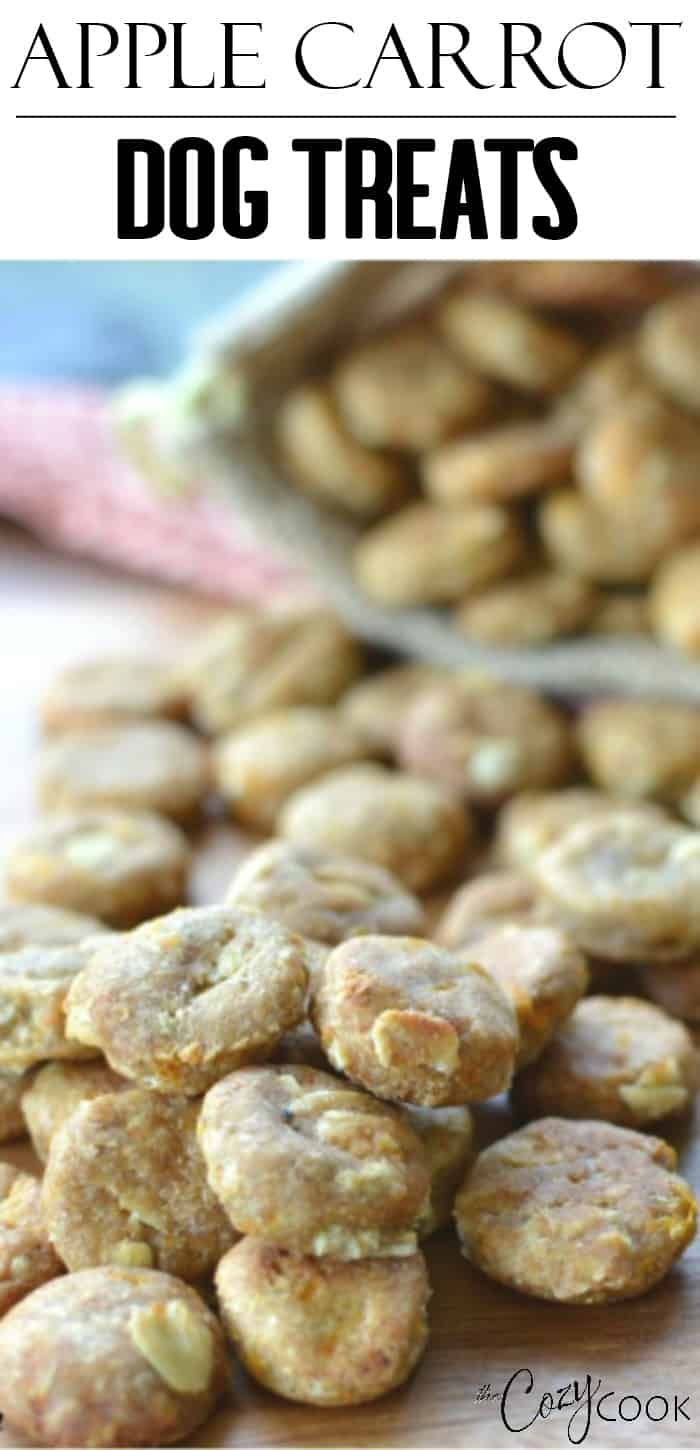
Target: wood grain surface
[(53, 610)]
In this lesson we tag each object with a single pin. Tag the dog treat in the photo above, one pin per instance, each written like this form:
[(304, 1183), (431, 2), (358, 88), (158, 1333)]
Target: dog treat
[(409, 826), (12, 1088), (406, 391), (529, 611), (505, 462), (670, 347), (498, 898), (414, 1023), (56, 1090), (154, 766), (321, 1331), (542, 975), (486, 740), (183, 1000), (644, 749), (626, 889), (616, 1058), (329, 463), (675, 988), (121, 866), (530, 823), (376, 705), (271, 660), (578, 1212), (614, 374), (42, 926), (674, 603), (34, 983), (313, 1165), (425, 554), (260, 765), (125, 1184), (509, 343), (127, 1357), (447, 1134), (323, 896), (27, 1258), (110, 691), (591, 286), (581, 538), (642, 461)]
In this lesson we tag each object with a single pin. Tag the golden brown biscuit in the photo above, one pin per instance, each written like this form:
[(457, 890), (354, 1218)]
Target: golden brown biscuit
[(486, 740), (56, 1090), (509, 343), (617, 1058), (674, 601), (256, 662), (533, 821), (498, 898), (119, 688), (414, 1023), (27, 1258), (321, 1331), (323, 896), (183, 1000), (125, 1184), (326, 461), (121, 866), (425, 554), (406, 391), (447, 1134), (643, 749), (670, 347), (591, 286), (127, 1357), (258, 766), (615, 374), (578, 1212), (376, 705), (409, 826), (542, 975), (503, 463), (529, 611), (582, 538), (312, 1164), (34, 983), (12, 1087), (675, 988), (642, 461), (154, 766), (626, 889)]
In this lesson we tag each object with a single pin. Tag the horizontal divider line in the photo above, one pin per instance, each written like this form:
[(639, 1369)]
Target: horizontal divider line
[(131, 116)]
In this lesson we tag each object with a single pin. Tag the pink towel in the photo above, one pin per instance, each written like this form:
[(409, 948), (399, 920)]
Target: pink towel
[(61, 475)]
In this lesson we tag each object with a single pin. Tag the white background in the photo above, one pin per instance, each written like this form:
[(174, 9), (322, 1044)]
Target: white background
[(635, 183)]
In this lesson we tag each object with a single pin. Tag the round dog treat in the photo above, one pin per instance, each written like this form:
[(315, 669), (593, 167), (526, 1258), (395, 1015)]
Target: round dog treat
[(295, 1321), (502, 463), (34, 983), (56, 1090), (579, 1212), (42, 926), (409, 826), (486, 740), (642, 459), (616, 1058), (155, 766), (183, 1000), (324, 897), (407, 391), (582, 539), (620, 612), (12, 1087), (626, 889), (674, 604), (528, 611), (675, 988), (327, 462), (643, 749), (119, 689), (542, 975), (313, 1164), (122, 866), (414, 1023), (27, 1258), (532, 822), (509, 343), (498, 898), (430, 555), (271, 660), (376, 705), (125, 1184), (127, 1356), (670, 346), (447, 1134), (261, 764)]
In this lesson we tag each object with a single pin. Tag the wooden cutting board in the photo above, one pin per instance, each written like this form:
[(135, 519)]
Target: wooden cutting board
[(53, 610)]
